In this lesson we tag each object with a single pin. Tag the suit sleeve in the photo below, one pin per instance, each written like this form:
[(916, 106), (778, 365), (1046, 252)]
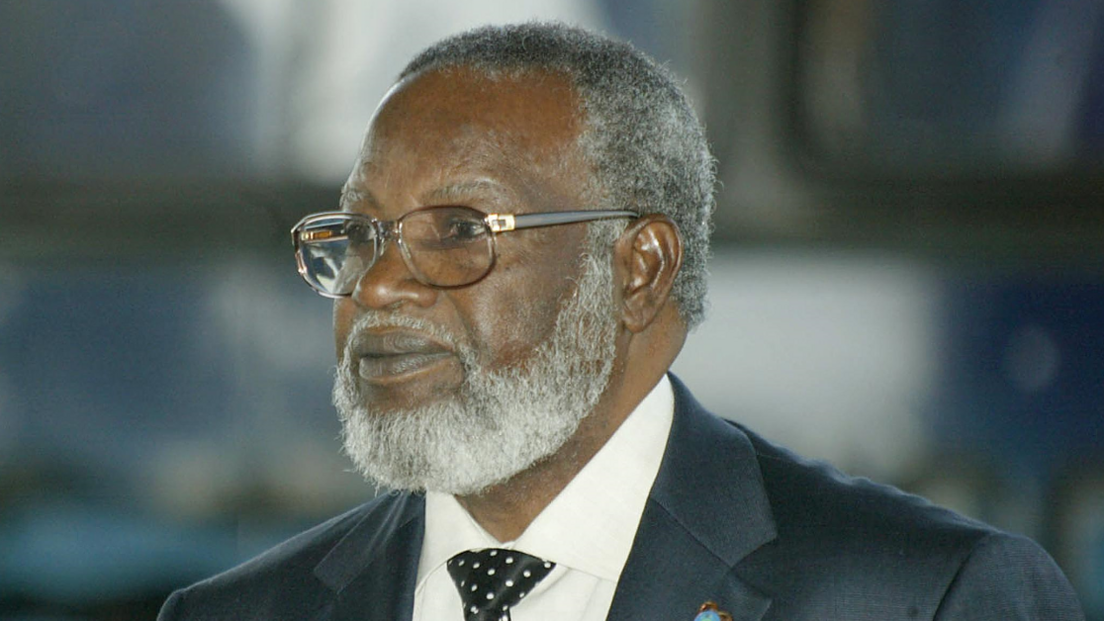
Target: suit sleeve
[(1009, 578)]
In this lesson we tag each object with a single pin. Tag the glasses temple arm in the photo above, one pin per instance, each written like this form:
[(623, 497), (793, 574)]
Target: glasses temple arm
[(533, 220)]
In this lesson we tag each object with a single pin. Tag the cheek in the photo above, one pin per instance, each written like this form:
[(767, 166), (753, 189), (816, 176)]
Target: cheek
[(527, 290), (518, 315), (344, 314)]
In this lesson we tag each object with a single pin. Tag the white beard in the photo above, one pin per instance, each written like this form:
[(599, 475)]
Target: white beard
[(503, 421)]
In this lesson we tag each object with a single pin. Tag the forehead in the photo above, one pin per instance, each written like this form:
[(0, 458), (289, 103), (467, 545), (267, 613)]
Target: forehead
[(458, 129)]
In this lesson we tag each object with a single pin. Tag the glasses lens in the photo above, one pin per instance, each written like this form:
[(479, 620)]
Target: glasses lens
[(336, 251), (448, 246)]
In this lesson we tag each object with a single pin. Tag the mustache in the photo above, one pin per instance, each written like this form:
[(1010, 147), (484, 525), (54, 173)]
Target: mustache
[(375, 321)]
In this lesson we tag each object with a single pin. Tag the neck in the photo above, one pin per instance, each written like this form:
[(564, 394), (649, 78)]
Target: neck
[(507, 509)]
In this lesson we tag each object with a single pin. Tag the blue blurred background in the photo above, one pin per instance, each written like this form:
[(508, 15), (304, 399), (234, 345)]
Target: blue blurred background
[(908, 276)]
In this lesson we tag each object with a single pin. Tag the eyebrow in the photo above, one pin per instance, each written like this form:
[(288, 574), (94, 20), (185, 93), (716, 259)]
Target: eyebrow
[(465, 189), (443, 194), (351, 195)]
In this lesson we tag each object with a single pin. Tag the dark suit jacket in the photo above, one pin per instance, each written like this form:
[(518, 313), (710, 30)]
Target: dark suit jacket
[(731, 518)]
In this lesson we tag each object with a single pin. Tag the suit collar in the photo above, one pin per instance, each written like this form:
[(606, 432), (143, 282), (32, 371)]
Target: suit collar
[(710, 482), (373, 569), (708, 509)]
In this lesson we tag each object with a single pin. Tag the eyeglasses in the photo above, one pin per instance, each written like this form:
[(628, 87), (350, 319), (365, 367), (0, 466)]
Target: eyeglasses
[(449, 246)]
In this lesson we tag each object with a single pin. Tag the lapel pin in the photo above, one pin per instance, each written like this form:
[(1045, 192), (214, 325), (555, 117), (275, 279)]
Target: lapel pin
[(710, 612)]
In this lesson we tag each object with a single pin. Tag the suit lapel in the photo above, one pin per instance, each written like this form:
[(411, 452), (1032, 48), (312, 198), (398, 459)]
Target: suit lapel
[(707, 510), (373, 569)]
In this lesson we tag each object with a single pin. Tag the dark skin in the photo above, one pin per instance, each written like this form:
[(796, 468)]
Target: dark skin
[(505, 146)]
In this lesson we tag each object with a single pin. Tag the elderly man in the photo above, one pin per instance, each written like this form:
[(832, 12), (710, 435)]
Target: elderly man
[(518, 257)]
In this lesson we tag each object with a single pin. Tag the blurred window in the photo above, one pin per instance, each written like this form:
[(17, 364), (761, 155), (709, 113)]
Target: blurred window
[(954, 87)]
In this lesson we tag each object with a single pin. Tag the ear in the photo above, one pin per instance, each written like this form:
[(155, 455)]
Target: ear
[(648, 256)]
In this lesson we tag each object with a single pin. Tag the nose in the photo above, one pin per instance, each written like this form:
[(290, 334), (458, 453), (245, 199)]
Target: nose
[(389, 283)]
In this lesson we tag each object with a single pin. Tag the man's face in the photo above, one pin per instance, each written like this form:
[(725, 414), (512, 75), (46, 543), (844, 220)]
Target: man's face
[(448, 363)]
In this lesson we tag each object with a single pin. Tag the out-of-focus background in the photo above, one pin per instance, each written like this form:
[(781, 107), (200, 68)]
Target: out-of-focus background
[(908, 277)]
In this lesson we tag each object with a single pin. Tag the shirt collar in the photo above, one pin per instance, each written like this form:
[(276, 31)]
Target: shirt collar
[(591, 524)]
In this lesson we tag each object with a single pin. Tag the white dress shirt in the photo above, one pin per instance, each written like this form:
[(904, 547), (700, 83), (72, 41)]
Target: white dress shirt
[(587, 530)]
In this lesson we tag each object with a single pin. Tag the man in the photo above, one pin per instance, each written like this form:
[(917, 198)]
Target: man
[(519, 255)]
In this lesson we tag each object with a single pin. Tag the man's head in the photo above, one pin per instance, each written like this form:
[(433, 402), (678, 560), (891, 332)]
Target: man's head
[(643, 143), (460, 388)]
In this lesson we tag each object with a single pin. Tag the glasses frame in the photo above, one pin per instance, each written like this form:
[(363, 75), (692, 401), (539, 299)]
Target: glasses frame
[(392, 229)]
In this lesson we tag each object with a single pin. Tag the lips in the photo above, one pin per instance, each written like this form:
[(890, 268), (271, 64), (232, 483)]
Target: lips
[(396, 354)]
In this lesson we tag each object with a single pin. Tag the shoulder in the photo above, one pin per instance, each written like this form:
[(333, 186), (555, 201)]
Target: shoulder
[(895, 551), (809, 495), (280, 581)]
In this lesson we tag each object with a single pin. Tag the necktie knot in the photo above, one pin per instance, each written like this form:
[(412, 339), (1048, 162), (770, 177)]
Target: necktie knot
[(493, 580)]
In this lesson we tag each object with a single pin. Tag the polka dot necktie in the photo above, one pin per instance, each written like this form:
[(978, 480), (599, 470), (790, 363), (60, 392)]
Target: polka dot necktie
[(492, 581)]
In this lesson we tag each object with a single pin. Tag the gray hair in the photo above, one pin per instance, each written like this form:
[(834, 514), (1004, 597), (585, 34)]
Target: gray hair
[(641, 138)]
